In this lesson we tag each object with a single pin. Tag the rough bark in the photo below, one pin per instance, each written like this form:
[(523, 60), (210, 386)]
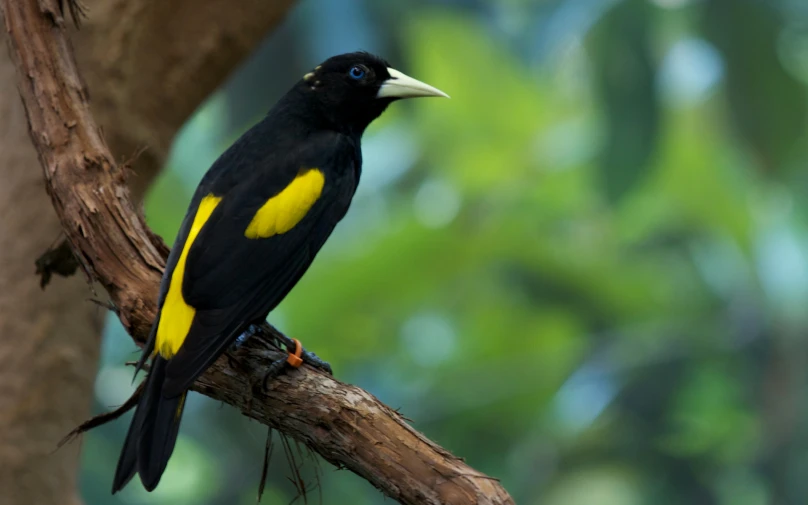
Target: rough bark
[(346, 425), (137, 55), (351, 428)]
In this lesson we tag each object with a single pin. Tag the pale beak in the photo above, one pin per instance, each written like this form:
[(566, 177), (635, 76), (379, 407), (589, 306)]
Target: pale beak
[(403, 86)]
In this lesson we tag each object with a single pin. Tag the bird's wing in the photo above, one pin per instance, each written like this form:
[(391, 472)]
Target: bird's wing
[(236, 271), (165, 282)]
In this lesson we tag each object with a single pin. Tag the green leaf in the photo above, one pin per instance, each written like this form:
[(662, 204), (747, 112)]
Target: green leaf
[(767, 104), (624, 76)]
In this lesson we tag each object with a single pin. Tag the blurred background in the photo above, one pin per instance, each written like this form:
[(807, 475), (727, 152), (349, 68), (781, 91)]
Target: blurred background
[(586, 273)]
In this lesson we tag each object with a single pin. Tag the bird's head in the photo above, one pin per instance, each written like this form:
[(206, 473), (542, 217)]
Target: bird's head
[(353, 89)]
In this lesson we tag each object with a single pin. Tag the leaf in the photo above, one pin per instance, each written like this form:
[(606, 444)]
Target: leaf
[(624, 76), (767, 105)]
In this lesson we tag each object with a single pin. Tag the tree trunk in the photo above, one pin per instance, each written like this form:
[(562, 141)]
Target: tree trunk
[(148, 65), (48, 340)]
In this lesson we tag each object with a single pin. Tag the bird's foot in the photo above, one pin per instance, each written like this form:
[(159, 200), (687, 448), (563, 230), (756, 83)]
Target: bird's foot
[(273, 371), (249, 332), (312, 359), (295, 359), (236, 345), (308, 358)]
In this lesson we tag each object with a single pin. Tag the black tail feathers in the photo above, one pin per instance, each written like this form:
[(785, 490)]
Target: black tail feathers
[(152, 434)]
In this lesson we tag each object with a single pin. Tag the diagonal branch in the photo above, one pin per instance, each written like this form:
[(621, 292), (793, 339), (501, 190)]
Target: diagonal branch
[(344, 424)]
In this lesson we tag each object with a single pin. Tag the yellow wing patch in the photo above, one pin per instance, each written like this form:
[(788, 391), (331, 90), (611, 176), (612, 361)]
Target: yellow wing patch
[(176, 316), (283, 211)]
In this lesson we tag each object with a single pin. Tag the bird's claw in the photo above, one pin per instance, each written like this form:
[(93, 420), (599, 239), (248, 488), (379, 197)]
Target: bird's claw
[(308, 357), (312, 359), (273, 371), (295, 359), (238, 342)]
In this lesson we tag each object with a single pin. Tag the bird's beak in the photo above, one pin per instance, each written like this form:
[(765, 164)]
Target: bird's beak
[(403, 86)]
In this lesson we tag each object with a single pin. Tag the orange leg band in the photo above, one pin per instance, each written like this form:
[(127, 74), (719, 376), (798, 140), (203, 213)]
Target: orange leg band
[(294, 358)]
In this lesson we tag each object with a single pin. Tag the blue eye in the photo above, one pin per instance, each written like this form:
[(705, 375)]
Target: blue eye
[(357, 72)]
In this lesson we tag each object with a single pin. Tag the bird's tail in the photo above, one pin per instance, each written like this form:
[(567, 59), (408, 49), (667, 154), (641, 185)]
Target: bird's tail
[(152, 434)]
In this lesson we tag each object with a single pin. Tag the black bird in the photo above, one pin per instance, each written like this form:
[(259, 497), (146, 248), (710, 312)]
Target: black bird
[(255, 223)]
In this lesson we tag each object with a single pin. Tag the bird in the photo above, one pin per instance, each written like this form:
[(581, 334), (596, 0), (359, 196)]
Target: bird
[(254, 225)]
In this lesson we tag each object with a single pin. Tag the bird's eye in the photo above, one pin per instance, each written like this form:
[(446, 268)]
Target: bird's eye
[(356, 72)]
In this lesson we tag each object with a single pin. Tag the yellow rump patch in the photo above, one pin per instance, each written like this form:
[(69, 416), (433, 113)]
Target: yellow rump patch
[(177, 316), (283, 211)]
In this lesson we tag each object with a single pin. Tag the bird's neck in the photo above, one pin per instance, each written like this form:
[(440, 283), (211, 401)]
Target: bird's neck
[(298, 104)]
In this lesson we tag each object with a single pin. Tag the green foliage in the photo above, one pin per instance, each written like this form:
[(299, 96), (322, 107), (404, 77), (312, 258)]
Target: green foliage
[(767, 105), (624, 73)]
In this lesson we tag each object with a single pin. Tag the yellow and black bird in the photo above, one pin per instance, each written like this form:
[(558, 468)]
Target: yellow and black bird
[(255, 223)]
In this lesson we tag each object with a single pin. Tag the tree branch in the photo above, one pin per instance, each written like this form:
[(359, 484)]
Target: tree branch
[(346, 425)]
